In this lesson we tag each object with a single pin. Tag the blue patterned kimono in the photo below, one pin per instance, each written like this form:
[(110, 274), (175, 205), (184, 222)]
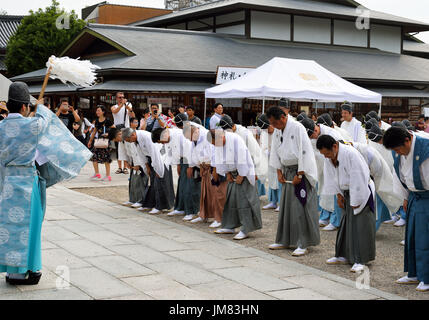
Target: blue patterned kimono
[(417, 228), (22, 192)]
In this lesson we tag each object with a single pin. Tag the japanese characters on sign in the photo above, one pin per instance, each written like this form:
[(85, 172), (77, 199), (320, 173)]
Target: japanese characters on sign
[(225, 74)]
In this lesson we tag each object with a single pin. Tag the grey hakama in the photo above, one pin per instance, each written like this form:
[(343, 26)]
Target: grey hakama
[(179, 203), (161, 191), (356, 236), (138, 186), (192, 192), (242, 207), (298, 226)]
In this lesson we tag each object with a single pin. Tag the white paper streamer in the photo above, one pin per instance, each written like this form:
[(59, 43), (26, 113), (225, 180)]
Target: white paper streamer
[(81, 73)]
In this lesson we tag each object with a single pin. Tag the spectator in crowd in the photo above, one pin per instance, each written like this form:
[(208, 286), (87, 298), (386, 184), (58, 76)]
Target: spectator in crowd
[(67, 114), (3, 110), (156, 120), (427, 124), (420, 124), (122, 112), (77, 131), (217, 115), (190, 110), (101, 154)]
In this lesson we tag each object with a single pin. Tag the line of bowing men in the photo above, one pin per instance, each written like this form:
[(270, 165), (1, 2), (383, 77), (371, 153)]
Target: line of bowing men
[(217, 172)]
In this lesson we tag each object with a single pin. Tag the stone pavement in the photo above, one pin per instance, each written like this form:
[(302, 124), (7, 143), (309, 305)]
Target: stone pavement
[(83, 179), (94, 249)]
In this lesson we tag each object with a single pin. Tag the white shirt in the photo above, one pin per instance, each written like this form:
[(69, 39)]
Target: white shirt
[(177, 148), (149, 149), (352, 173), (232, 156), (202, 149), (296, 149), (406, 173), (355, 130), (118, 118), (259, 158), (382, 175), (214, 121)]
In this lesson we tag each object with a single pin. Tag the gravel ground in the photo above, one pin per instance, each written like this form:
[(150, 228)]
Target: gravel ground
[(384, 270)]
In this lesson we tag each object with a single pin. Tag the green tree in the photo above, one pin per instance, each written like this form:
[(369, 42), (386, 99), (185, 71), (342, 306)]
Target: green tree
[(41, 34)]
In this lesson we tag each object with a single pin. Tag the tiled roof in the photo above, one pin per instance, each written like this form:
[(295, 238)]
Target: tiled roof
[(8, 26)]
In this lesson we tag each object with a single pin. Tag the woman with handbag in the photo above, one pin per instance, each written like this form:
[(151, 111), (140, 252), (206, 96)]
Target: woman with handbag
[(99, 144)]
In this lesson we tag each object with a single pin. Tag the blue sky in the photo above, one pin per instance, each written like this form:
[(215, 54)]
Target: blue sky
[(413, 9)]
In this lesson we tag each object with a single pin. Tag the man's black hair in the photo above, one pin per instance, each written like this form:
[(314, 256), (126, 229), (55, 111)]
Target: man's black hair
[(14, 106), (154, 104), (275, 112), (190, 107), (308, 125), (422, 116), (132, 119), (156, 134), (325, 119), (325, 142), (180, 119), (263, 122), (113, 132), (217, 105), (395, 137)]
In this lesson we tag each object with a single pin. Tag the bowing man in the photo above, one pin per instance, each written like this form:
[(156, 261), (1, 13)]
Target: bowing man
[(213, 186), (275, 187), (351, 182), (330, 216), (178, 152), (411, 154), (232, 159), (160, 195), (293, 158)]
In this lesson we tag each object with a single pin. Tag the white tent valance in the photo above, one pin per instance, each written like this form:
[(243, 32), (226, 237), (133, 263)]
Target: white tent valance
[(298, 80)]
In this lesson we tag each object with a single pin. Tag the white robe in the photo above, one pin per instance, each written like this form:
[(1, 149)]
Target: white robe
[(147, 148), (382, 175), (259, 158), (325, 201), (202, 151), (384, 126), (266, 143), (344, 134), (296, 149), (355, 130), (406, 174), (234, 155), (178, 147), (352, 173)]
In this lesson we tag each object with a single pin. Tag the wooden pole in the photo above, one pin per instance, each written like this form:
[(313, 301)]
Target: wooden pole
[(45, 83)]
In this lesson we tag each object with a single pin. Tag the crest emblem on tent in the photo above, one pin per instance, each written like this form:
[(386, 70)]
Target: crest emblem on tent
[(308, 77)]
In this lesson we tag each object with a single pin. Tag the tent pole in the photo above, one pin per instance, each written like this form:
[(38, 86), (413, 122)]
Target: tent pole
[(205, 110), (379, 111), (263, 105)]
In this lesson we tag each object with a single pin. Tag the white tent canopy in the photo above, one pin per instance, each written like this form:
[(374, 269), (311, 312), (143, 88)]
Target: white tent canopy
[(4, 89), (298, 80)]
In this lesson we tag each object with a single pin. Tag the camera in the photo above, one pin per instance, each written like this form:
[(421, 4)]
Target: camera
[(155, 111)]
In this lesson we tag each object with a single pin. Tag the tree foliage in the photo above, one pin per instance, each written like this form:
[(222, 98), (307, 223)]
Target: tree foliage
[(38, 37)]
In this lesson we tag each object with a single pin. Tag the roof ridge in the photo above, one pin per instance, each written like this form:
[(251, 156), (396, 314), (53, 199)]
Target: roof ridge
[(160, 30), (11, 17)]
